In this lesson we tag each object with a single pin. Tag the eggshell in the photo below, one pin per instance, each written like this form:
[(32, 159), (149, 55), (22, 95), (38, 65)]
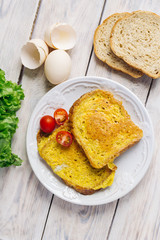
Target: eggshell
[(60, 36), (41, 44), (57, 66), (34, 53), (47, 35)]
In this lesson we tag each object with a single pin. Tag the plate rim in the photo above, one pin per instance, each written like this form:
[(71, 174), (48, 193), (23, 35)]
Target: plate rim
[(87, 79)]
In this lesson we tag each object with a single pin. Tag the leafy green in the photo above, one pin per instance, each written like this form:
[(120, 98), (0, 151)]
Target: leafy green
[(11, 95)]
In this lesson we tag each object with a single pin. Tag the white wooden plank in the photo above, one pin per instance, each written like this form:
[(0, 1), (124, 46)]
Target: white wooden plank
[(16, 19), (69, 221), (23, 204)]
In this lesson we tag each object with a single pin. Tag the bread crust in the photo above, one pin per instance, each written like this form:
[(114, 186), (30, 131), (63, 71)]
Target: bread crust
[(123, 58), (124, 70), (81, 190)]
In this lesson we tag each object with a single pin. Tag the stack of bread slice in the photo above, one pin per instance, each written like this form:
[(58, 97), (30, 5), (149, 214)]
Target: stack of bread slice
[(102, 129), (130, 42)]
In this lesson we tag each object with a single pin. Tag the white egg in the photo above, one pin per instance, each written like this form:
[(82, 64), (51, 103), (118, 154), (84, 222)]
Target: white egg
[(34, 53), (57, 66), (60, 36)]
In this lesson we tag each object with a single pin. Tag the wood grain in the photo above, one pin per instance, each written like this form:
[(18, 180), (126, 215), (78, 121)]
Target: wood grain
[(69, 221), (16, 19)]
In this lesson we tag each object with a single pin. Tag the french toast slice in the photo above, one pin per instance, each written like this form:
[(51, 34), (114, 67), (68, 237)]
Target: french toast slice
[(71, 164), (102, 127)]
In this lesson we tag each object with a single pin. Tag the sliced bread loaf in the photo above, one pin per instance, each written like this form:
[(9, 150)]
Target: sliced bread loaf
[(136, 39), (72, 165), (102, 127), (102, 46)]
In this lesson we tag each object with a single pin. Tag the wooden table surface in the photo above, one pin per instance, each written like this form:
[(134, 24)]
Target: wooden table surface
[(28, 210)]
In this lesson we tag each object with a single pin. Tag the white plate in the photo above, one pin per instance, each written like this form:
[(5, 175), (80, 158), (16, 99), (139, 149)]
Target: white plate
[(132, 165)]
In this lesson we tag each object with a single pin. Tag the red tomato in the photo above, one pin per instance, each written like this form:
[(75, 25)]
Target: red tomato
[(60, 116), (64, 138), (47, 124)]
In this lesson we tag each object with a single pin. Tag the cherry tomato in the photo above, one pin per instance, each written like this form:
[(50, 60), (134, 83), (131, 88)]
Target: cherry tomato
[(64, 138), (47, 124), (60, 116)]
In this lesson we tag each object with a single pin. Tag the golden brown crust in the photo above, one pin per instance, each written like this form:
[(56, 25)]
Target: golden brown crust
[(132, 74), (81, 190), (128, 62), (38, 137), (41, 134)]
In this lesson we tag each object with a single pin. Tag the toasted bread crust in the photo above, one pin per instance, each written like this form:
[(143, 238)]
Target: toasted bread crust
[(81, 190)]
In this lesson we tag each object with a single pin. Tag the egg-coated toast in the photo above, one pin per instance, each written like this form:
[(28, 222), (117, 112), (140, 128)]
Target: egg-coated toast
[(102, 127)]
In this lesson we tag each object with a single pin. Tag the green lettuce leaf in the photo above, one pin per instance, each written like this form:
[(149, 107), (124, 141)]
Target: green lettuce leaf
[(11, 95)]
